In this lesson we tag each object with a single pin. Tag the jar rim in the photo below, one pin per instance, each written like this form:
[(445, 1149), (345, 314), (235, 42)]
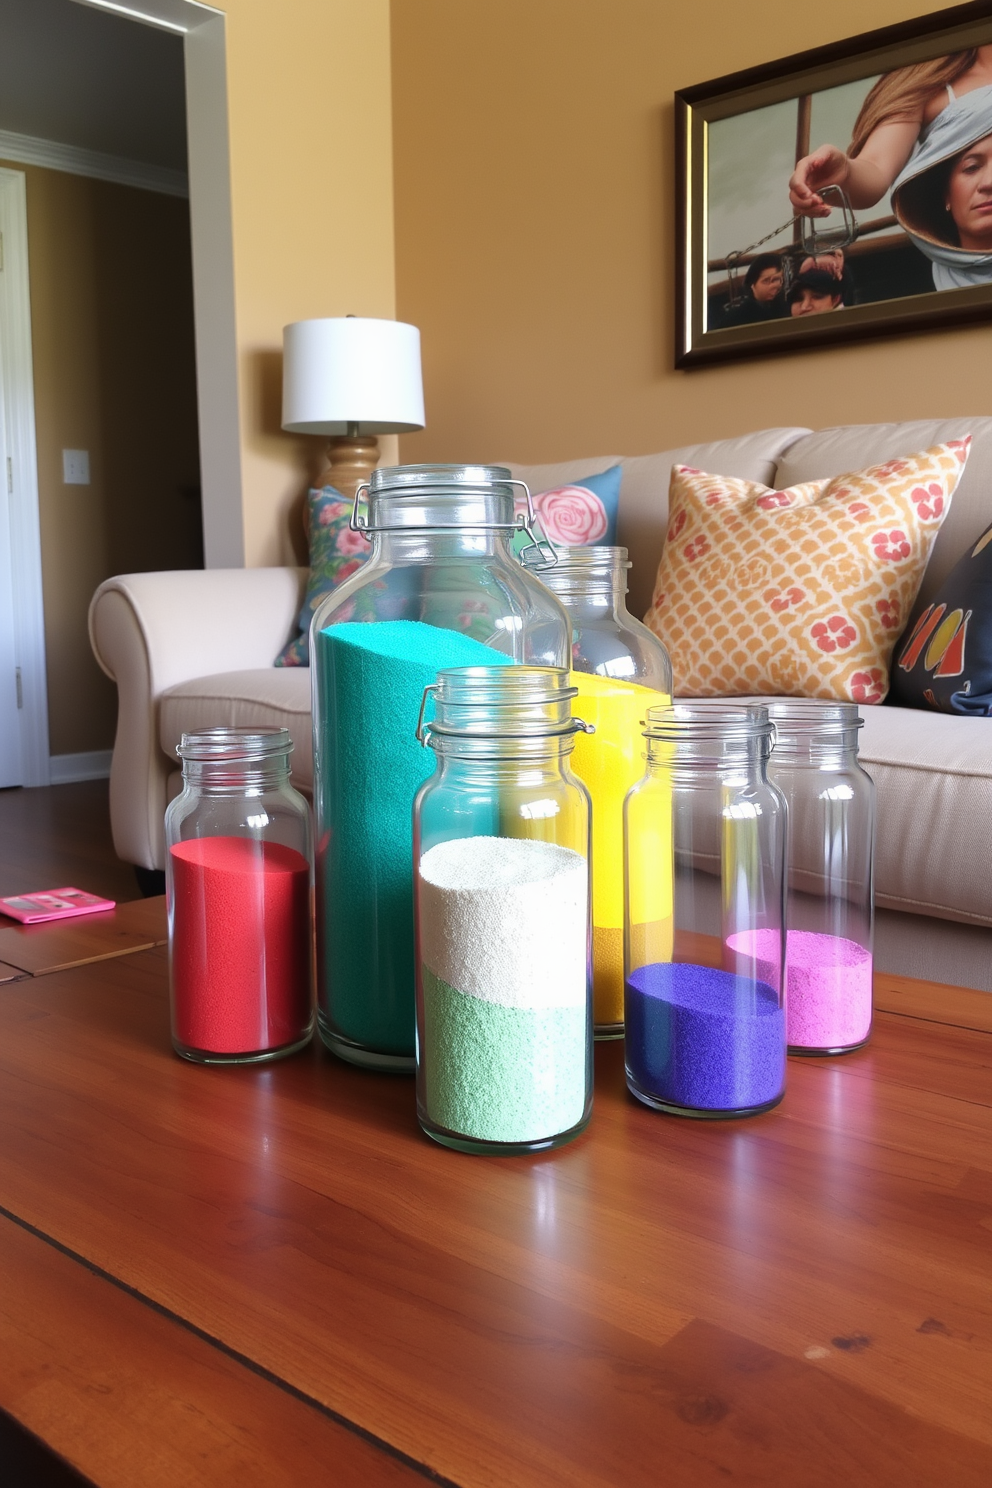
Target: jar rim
[(811, 716), (580, 559), (397, 480), (232, 744), (708, 719), (500, 702)]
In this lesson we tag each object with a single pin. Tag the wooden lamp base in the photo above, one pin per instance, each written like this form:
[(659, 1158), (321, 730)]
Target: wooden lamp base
[(351, 459)]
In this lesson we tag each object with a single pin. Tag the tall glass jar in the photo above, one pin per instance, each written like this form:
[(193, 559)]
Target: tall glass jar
[(442, 589), (831, 856), (620, 670), (238, 877), (501, 847), (705, 1009)]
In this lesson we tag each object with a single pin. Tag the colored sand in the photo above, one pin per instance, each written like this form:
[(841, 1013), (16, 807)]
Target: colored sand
[(368, 767), (828, 985), (502, 1074), (240, 949), (505, 1049), (609, 762), (703, 1039)]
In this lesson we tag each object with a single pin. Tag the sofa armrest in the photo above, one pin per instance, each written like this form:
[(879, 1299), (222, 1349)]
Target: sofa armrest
[(151, 631)]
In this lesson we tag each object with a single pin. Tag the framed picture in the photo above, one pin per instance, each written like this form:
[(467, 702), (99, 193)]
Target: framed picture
[(839, 194)]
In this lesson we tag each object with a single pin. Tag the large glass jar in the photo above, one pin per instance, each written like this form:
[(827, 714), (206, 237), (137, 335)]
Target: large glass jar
[(620, 670), (442, 589), (705, 1012), (831, 851), (238, 877), (501, 844)]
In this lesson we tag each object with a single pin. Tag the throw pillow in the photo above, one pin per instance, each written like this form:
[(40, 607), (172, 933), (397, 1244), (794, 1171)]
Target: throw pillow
[(944, 660), (580, 515), (335, 554), (802, 592)]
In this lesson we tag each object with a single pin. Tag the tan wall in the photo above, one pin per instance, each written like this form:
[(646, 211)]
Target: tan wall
[(112, 333), (312, 203), (534, 204)]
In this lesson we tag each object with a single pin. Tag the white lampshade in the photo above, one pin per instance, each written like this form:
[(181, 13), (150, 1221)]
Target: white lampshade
[(351, 371)]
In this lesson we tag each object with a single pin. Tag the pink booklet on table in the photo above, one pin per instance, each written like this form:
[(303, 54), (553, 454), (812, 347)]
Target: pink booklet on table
[(54, 904)]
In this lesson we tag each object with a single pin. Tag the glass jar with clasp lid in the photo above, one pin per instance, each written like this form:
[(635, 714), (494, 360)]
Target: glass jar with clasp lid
[(441, 588), (620, 670), (501, 848), (705, 840), (238, 889), (831, 871)]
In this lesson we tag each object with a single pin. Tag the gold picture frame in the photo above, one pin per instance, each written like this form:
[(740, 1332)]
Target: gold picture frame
[(732, 138)]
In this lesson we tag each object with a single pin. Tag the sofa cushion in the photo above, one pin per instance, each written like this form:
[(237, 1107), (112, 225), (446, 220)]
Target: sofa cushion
[(800, 591), (643, 517), (832, 451), (933, 772), (278, 696)]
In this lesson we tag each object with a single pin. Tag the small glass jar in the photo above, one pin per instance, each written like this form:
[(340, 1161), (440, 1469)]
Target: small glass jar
[(831, 856), (501, 847), (440, 589), (238, 877), (705, 840), (620, 670)]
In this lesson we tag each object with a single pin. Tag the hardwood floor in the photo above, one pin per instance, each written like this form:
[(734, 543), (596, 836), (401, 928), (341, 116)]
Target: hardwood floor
[(59, 835)]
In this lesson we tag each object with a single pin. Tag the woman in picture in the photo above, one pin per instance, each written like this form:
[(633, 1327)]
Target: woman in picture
[(944, 201), (923, 107)]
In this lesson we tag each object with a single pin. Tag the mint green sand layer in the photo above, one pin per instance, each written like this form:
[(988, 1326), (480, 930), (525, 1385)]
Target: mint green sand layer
[(502, 1074), (368, 767)]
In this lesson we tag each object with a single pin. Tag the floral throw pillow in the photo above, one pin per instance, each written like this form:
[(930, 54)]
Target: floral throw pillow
[(579, 515), (799, 593), (335, 554)]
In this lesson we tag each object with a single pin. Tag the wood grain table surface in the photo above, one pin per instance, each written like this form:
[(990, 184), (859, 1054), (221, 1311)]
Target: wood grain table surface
[(56, 945), (267, 1275)]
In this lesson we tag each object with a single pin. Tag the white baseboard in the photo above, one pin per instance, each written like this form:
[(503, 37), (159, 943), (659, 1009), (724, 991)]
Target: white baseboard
[(91, 765)]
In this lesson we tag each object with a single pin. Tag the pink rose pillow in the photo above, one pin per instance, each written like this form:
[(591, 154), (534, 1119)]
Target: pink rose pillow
[(583, 514)]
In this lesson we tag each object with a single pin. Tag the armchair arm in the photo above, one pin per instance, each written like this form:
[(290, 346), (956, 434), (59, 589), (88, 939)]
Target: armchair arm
[(151, 631)]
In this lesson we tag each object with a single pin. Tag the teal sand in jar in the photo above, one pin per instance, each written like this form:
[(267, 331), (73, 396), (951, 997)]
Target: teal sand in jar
[(501, 840), (440, 589)]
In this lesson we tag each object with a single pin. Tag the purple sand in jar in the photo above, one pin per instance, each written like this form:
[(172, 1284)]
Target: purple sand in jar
[(702, 1040)]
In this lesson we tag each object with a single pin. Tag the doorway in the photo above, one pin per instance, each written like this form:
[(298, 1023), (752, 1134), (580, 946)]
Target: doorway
[(199, 44)]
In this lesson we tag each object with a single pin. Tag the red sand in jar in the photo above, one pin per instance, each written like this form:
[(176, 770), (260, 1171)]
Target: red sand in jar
[(240, 952)]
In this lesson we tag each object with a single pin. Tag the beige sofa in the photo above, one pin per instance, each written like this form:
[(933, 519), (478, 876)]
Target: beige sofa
[(196, 648)]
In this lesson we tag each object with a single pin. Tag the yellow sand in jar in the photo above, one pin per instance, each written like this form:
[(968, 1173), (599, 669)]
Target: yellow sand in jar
[(609, 762)]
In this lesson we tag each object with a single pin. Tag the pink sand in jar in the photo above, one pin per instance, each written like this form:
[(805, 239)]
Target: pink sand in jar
[(828, 986)]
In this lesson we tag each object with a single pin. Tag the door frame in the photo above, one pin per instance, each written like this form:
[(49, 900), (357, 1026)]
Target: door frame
[(25, 525), (203, 29)]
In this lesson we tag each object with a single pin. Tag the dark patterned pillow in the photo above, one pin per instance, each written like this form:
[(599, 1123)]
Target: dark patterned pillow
[(335, 554), (944, 660)]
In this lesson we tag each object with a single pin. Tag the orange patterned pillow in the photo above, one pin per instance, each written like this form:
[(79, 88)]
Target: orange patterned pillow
[(802, 592)]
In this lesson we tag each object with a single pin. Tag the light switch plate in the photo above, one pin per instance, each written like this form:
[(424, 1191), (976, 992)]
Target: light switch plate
[(76, 467)]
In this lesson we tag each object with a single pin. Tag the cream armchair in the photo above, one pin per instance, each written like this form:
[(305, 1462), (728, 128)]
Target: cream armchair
[(190, 649)]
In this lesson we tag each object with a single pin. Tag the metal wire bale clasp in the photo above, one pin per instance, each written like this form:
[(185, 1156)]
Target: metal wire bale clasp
[(424, 729), (522, 521)]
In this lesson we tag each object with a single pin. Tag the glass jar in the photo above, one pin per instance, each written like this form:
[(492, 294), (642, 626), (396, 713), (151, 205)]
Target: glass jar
[(620, 670), (830, 907), (442, 589), (705, 839), (238, 876), (501, 844)]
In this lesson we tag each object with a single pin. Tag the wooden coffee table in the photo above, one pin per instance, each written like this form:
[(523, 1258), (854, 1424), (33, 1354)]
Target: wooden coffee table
[(268, 1276)]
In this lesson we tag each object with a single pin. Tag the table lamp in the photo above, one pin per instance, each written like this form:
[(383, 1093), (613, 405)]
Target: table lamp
[(352, 379)]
